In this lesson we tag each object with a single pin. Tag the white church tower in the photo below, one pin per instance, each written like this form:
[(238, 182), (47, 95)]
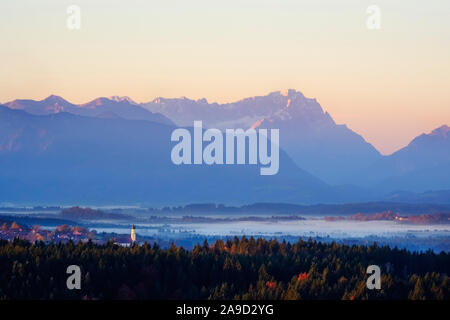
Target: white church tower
[(133, 233)]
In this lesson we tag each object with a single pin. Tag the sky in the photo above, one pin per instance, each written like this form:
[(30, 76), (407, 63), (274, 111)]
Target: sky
[(388, 84)]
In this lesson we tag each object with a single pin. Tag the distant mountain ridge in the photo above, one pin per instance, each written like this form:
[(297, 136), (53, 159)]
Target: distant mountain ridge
[(65, 158), (307, 133), (423, 165), (439, 196), (115, 106), (331, 152), (317, 209)]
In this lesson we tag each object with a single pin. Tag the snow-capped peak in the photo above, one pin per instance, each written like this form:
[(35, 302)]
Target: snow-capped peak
[(122, 99)]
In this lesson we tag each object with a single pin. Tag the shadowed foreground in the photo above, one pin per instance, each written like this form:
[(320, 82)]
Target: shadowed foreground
[(235, 269)]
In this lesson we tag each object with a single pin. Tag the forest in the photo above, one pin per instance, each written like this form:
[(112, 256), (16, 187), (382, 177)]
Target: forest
[(235, 268)]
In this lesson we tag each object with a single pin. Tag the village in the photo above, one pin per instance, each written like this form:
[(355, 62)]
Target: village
[(63, 233)]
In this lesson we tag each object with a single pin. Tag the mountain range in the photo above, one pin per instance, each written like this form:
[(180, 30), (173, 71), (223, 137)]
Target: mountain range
[(307, 133), (113, 150), (113, 107), (423, 165), (66, 158)]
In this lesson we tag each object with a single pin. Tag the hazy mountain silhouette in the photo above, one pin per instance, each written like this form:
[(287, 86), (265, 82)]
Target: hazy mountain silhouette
[(309, 135), (439, 196), (333, 153), (65, 158), (424, 164), (122, 107)]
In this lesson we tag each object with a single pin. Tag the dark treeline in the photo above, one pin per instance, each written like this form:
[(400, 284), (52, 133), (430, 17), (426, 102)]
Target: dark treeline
[(233, 269), (259, 208), (286, 208)]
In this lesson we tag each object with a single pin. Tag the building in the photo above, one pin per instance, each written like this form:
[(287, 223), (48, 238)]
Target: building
[(133, 233)]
